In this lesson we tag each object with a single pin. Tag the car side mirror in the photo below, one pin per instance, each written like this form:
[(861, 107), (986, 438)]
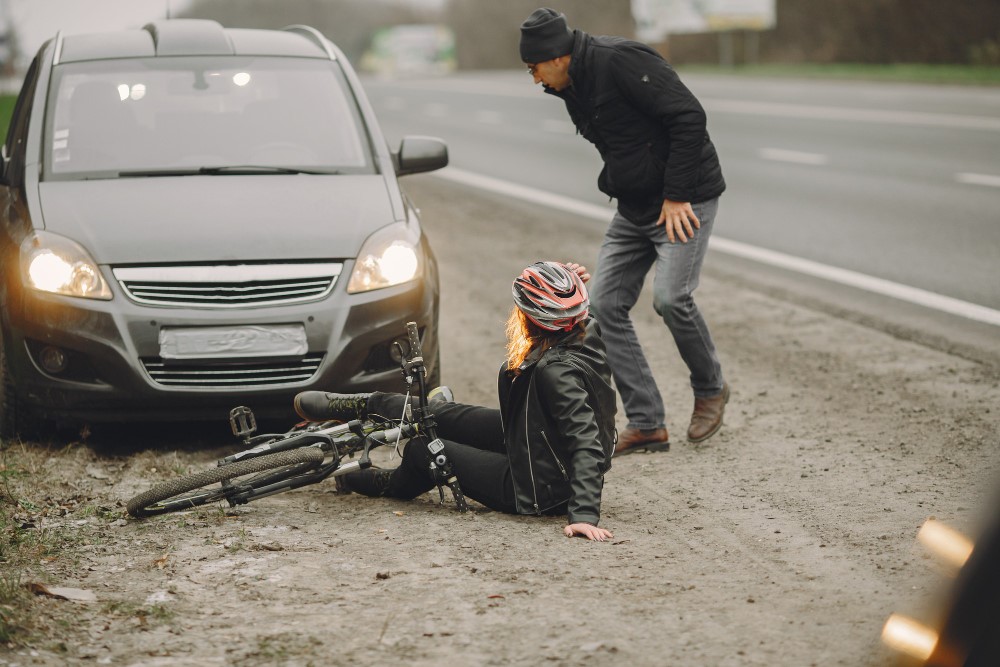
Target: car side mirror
[(419, 154)]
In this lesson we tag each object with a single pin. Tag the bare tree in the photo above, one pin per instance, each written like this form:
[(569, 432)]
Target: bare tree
[(867, 31), (487, 31)]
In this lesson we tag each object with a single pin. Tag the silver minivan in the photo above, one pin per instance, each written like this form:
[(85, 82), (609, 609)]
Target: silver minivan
[(194, 217)]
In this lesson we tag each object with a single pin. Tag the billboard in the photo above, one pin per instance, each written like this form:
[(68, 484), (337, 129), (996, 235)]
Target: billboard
[(655, 19)]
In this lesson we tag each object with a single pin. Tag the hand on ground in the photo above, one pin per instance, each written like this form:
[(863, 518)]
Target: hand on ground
[(588, 531)]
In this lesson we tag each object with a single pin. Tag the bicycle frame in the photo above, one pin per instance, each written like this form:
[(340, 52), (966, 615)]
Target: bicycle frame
[(243, 493), (273, 463)]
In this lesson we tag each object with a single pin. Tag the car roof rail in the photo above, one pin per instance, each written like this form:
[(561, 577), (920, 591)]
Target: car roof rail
[(183, 37), (314, 35)]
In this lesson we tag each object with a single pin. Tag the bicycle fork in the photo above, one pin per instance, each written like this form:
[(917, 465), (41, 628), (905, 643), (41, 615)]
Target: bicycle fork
[(444, 475)]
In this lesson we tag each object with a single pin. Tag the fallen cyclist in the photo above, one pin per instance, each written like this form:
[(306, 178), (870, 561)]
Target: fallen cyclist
[(545, 451)]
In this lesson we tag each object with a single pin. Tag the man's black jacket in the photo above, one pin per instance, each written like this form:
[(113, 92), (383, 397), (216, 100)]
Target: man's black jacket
[(559, 427), (649, 128)]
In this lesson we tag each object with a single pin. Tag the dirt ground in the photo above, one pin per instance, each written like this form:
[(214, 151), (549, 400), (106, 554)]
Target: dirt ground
[(786, 540)]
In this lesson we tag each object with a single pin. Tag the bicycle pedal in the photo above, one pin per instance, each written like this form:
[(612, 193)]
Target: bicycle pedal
[(242, 422)]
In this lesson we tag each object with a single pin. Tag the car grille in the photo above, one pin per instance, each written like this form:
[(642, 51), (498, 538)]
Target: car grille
[(228, 286), (245, 373)]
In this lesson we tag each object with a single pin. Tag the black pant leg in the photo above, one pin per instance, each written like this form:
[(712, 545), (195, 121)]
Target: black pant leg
[(470, 425), (483, 475)]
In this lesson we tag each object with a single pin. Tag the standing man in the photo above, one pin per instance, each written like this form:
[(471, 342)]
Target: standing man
[(661, 166)]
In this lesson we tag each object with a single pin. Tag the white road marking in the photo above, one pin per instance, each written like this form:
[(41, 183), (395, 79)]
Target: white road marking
[(914, 118), (505, 88), (978, 179), (861, 281), (770, 257), (526, 193), (795, 157)]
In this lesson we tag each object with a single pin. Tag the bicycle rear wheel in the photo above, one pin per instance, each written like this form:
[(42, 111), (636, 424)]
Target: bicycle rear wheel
[(194, 489)]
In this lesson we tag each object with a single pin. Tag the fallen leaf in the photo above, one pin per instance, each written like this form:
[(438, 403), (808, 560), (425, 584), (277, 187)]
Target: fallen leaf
[(496, 597), (161, 562), (397, 513), (72, 594)]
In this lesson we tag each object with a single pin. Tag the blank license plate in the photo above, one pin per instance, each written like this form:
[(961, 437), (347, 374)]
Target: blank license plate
[(272, 340)]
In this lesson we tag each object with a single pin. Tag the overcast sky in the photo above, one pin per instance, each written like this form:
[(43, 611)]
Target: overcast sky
[(37, 20)]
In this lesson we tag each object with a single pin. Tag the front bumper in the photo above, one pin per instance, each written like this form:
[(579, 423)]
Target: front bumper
[(107, 342)]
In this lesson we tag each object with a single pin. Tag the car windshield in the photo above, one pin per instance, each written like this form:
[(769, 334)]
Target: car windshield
[(164, 116)]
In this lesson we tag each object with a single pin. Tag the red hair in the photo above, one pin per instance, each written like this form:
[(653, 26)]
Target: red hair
[(524, 336)]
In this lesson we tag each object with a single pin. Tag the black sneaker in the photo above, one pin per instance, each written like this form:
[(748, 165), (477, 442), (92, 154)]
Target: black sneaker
[(372, 482), (442, 394), (321, 406)]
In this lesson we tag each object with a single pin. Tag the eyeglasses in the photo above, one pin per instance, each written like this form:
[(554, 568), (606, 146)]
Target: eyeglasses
[(531, 69)]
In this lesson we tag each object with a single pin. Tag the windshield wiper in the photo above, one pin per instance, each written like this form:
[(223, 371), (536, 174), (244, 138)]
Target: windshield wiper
[(142, 173), (233, 170), (260, 169)]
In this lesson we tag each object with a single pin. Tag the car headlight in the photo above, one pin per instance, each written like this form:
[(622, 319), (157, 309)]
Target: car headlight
[(53, 263), (390, 256)]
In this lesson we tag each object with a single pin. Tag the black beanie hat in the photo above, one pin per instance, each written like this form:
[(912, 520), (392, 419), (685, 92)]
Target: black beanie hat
[(544, 36)]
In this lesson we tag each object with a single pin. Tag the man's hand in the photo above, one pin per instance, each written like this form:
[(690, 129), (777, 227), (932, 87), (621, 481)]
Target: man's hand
[(579, 269), (588, 531), (678, 216)]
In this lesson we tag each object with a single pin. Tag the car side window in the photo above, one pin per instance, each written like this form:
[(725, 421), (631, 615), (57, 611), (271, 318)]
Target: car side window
[(17, 133)]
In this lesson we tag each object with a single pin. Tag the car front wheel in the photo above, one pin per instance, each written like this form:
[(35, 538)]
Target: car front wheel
[(14, 415)]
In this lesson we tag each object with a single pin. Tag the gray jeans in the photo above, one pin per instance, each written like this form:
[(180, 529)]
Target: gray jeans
[(627, 253)]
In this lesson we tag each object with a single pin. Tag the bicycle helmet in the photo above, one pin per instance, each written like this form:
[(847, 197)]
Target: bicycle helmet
[(551, 295)]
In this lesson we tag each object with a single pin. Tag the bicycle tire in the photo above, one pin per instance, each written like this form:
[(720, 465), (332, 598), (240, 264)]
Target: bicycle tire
[(190, 490)]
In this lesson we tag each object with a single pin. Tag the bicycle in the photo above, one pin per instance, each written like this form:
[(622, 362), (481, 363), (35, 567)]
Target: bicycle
[(308, 453)]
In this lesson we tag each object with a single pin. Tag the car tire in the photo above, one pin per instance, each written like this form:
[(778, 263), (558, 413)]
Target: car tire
[(15, 418), (8, 400)]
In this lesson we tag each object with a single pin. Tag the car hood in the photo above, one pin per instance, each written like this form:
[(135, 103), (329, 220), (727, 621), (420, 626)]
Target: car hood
[(217, 218)]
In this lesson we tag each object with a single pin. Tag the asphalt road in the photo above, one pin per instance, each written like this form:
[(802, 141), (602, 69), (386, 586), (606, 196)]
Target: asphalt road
[(897, 182)]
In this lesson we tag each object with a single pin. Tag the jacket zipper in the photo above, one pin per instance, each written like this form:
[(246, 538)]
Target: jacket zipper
[(527, 443), (559, 463), (503, 428)]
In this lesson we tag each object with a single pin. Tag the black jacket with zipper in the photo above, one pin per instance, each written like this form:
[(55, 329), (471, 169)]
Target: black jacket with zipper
[(559, 426), (648, 127)]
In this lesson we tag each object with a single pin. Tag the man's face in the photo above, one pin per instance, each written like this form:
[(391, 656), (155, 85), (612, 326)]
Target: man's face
[(552, 74)]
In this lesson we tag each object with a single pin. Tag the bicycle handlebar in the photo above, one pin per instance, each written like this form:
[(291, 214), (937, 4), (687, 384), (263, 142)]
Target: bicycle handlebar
[(403, 431)]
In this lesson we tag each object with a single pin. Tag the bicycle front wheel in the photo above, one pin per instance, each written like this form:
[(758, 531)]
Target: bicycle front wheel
[(199, 488)]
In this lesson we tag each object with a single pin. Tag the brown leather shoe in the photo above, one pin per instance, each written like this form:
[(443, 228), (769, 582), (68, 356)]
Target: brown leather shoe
[(632, 440), (707, 416)]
